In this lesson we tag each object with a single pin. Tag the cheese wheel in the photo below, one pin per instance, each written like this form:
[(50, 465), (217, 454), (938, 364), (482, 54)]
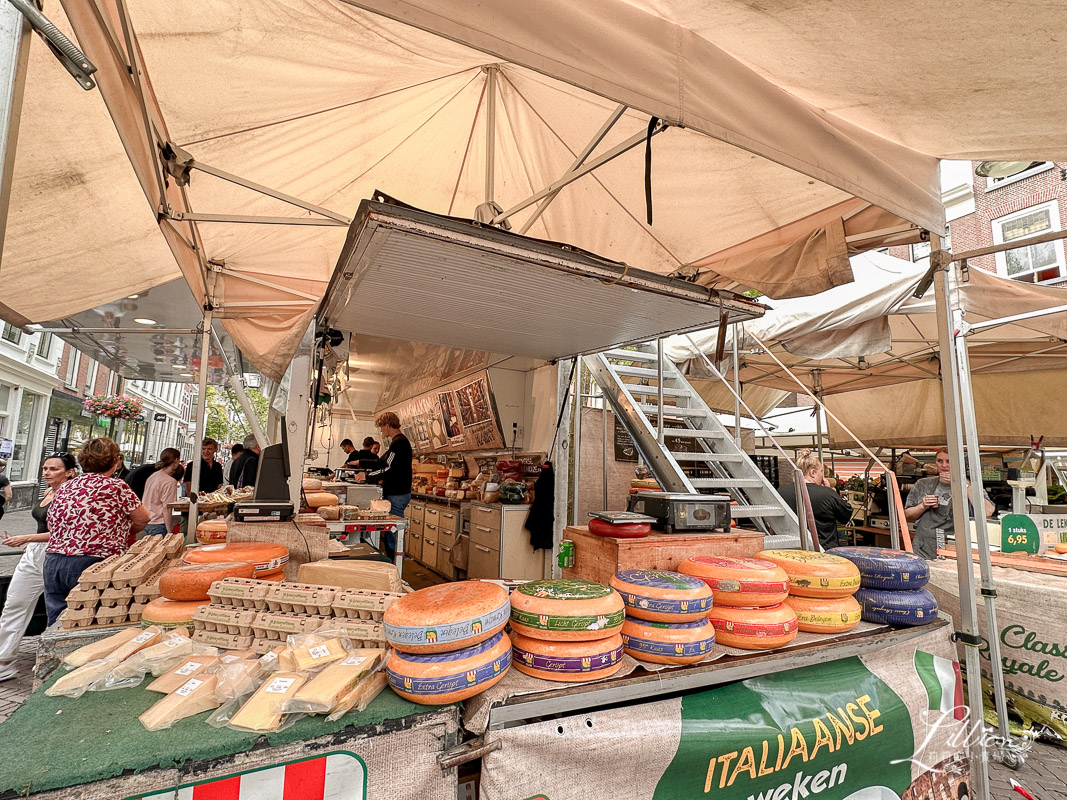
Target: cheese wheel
[(311, 485), (192, 581), (167, 614), (666, 642), (566, 610), (662, 596), (1061, 547), (825, 615), (740, 582), (814, 574), (446, 617), (883, 568), (567, 661), (442, 678), (754, 628), (212, 531), (266, 557), (625, 530), (318, 499), (898, 608)]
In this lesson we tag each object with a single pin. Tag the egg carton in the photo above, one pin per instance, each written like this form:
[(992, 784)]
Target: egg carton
[(241, 592), (263, 646), (224, 641), (363, 603), (173, 545), (224, 619), (135, 611), (77, 618), (358, 630), (112, 615), (80, 597), (278, 625), (98, 575), (148, 590), (136, 569), (111, 597), (143, 545), (301, 598)]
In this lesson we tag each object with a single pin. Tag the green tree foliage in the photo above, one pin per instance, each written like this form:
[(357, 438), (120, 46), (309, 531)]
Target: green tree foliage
[(225, 419)]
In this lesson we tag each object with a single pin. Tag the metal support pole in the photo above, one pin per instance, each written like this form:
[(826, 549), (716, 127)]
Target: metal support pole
[(201, 425), (659, 391), (490, 133), (817, 391), (737, 390), (297, 408), (560, 466), (968, 627), (577, 439), (238, 386), (14, 52), (604, 454)]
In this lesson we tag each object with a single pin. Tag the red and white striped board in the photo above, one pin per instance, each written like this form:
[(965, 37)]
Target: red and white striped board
[(335, 776)]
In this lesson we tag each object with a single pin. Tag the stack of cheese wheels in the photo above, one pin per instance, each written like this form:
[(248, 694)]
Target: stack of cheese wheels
[(566, 630), (268, 558), (892, 586), (450, 641), (213, 531), (666, 616), (821, 586), (184, 590), (748, 612)]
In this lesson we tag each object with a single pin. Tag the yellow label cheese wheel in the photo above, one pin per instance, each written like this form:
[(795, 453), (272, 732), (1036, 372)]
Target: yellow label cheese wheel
[(211, 532), (740, 582), (566, 610), (442, 678), (450, 616), (267, 557), (754, 628), (814, 574), (567, 662), (167, 614), (825, 614), (662, 596), (668, 642), (191, 581)]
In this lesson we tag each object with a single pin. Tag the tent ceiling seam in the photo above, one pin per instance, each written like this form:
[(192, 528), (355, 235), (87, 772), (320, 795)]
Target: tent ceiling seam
[(268, 284), (467, 149)]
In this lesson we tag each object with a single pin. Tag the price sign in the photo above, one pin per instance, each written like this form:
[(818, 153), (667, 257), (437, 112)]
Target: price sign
[(1019, 534)]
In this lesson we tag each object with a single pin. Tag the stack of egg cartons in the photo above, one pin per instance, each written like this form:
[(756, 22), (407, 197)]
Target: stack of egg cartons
[(666, 616), (892, 586), (821, 589), (566, 630)]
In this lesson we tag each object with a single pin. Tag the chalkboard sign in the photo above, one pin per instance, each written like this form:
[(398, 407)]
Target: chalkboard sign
[(625, 449)]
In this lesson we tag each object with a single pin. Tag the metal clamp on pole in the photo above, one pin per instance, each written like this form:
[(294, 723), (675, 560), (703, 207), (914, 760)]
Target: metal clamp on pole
[(968, 639), (466, 752), (65, 51)]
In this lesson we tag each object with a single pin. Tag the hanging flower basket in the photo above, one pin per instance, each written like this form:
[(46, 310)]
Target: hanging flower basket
[(118, 406)]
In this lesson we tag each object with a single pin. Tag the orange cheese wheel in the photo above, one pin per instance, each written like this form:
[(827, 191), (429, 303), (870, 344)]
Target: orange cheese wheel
[(754, 628), (825, 615), (191, 582), (662, 596), (814, 574), (442, 678), (566, 610), (567, 661), (1061, 547), (740, 582), (212, 531), (668, 642), (450, 616), (169, 614), (319, 499), (266, 557)]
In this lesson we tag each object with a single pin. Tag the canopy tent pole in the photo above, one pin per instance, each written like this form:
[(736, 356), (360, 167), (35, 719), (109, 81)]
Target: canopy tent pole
[(737, 390), (490, 134), (968, 628), (296, 416), (201, 425), (14, 53), (576, 486), (816, 379), (238, 386), (560, 463)]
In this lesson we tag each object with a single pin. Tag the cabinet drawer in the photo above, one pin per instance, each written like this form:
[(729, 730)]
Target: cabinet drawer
[(446, 537), (416, 511), (433, 514), (450, 520), (429, 547), (483, 562), (413, 545), (444, 553), (486, 516), (484, 535), (415, 526)]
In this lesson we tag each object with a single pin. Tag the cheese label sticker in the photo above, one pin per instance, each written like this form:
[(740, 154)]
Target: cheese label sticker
[(187, 688), (280, 685), (319, 651), (141, 638), (353, 661), (188, 668), (175, 641)]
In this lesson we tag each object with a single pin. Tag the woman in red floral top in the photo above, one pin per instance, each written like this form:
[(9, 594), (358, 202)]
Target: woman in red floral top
[(90, 518)]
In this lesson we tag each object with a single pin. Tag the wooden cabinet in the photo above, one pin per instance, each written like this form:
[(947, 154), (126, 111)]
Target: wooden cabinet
[(415, 511), (444, 554), (482, 561), (413, 543), (500, 546), (429, 545)]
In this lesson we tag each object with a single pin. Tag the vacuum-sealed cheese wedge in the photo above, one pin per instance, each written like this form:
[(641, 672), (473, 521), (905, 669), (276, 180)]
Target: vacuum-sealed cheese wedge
[(263, 711), (197, 694), (313, 656), (180, 673), (100, 649), (77, 681), (361, 696), (146, 638), (323, 692)]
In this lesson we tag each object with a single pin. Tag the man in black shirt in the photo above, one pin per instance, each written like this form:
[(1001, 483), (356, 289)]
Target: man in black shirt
[(249, 466), (139, 477), (394, 475), (211, 477), (827, 506)]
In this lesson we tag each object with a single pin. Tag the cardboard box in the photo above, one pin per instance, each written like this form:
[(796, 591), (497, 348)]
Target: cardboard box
[(352, 574)]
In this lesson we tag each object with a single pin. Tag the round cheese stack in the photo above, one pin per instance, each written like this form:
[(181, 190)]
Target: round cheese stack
[(211, 532), (825, 615), (740, 582), (813, 574), (266, 557), (917, 607), (443, 678), (622, 530), (668, 643), (566, 610), (883, 568), (662, 596), (446, 617), (319, 499), (754, 628), (567, 661), (191, 582), (168, 614)]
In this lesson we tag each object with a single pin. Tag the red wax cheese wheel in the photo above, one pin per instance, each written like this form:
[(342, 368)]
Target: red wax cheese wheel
[(446, 617), (666, 642), (754, 628), (167, 614), (266, 557), (192, 581), (211, 532), (567, 661), (566, 610), (662, 596), (442, 678), (625, 530), (813, 574), (825, 615), (740, 582)]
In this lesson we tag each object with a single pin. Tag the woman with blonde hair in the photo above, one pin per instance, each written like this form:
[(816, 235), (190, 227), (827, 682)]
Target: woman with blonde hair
[(827, 506), (162, 488)]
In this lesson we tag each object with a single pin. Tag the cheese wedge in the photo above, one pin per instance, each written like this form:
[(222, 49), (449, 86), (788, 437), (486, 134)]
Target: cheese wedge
[(180, 673), (192, 697), (323, 692), (263, 711), (77, 681), (314, 656), (100, 649), (360, 697), (146, 638)]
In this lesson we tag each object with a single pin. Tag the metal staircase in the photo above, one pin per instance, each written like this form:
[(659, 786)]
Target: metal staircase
[(705, 458)]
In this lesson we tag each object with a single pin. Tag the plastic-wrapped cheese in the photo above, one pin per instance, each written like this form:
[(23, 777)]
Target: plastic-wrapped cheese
[(754, 628), (662, 596), (667, 642), (446, 617), (814, 574), (740, 582), (567, 661), (267, 557), (442, 678), (825, 615), (566, 610)]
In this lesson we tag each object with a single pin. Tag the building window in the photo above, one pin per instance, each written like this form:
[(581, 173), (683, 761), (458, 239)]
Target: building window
[(1039, 167), (70, 378), (19, 467), (1035, 262), (90, 378), (44, 347), (5, 408), (11, 334)]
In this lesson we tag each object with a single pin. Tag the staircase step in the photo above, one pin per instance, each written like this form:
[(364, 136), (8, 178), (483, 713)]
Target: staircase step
[(728, 458), (672, 411), (636, 372), (693, 433), (630, 355), (653, 391), (727, 483), (746, 512)]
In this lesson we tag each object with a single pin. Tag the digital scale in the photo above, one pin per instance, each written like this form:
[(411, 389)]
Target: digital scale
[(263, 511), (678, 513)]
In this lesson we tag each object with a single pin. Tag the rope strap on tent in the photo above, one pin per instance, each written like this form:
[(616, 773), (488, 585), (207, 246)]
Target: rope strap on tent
[(652, 123)]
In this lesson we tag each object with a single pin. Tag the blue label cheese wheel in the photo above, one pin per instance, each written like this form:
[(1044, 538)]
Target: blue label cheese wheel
[(754, 628), (446, 617), (906, 609), (814, 574), (825, 614), (662, 596), (883, 568), (437, 679), (567, 661), (668, 642), (740, 582), (566, 610)]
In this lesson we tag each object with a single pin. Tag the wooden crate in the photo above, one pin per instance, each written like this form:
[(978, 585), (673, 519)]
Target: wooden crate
[(597, 558)]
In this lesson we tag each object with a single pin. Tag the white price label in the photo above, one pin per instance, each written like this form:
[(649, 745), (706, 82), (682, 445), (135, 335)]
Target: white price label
[(353, 661), (141, 638), (175, 641), (188, 687), (319, 651), (188, 668), (280, 685)]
